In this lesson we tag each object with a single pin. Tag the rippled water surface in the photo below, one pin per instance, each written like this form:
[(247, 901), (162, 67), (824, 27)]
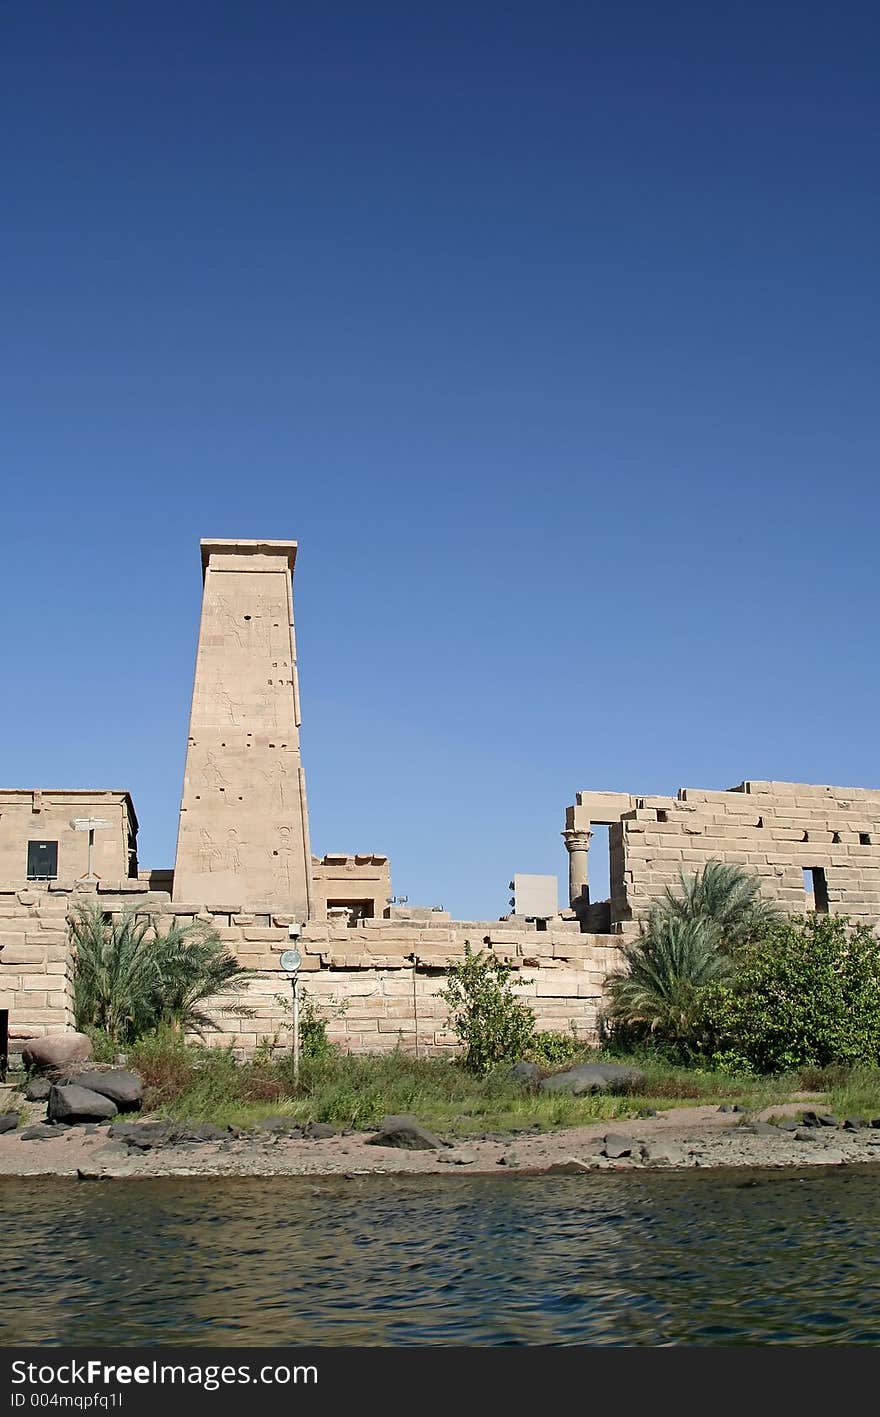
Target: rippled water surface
[(600, 1259)]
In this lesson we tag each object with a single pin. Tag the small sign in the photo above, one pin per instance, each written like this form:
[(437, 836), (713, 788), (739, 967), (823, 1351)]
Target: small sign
[(291, 961), (90, 824)]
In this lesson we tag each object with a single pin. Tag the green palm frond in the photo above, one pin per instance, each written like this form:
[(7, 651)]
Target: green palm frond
[(129, 978), (728, 896)]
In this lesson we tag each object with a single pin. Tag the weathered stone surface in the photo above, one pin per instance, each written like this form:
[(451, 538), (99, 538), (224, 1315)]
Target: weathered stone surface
[(616, 1145), (571, 1166), (8, 1121), (525, 1072), (124, 1088), (39, 1132), (319, 1131), (286, 1125), (593, 1077), (144, 1135), (661, 1151), (79, 1104), (56, 1050), (37, 1090), (405, 1132), (759, 1129)]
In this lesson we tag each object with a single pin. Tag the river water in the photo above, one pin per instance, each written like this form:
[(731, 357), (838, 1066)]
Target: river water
[(644, 1258)]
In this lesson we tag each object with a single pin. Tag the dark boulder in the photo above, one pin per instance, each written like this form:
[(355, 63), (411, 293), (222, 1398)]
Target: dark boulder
[(8, 1121), (319, 1131), (853, 1124), (200, 1133), (79, 1104), (38, 1090), (288, 1125), (144, 1136), (124, 1088), (40, 1132), (525, 1072), (404, 1132), (617, 1146), (594, 1077)]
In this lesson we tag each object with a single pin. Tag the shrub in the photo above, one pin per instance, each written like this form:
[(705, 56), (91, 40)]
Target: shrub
[(807, 995), (494, 1026), (554, 1049), (130, 980), (314, 1044)]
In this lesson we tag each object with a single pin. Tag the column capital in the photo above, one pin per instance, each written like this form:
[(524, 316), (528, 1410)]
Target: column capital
[(576, 840)]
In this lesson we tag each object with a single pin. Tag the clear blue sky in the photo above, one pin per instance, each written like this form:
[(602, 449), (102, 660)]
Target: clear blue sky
[(549, 330)]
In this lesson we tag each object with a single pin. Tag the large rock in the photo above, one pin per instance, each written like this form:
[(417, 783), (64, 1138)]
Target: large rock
[(525, 1072), (660, 1151), (616, 1146), (594, 1077), (8, 1121), (38, 1090), (55, 1051), (124, 1088), (406, 1133), (145, 1135), (79, 1104)]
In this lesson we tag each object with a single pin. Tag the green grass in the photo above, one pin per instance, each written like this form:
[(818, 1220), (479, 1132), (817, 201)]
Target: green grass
[(199, 1084)]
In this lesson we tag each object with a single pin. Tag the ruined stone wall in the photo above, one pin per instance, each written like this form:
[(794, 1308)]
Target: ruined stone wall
[(377, 983), (777, 829), (35, 966)]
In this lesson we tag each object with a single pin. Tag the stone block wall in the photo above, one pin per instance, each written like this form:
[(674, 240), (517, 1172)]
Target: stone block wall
[(35, 966), (377, 984), (777, 829)]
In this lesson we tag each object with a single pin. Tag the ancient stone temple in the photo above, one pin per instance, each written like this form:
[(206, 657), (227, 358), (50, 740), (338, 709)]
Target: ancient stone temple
[(244, 831)]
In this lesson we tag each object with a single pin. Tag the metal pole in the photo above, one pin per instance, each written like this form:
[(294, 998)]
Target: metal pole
[(295, 1029), (415, 1006), (91, 844)]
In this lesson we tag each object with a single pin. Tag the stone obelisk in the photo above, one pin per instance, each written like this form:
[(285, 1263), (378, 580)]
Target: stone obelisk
[(243, 838)]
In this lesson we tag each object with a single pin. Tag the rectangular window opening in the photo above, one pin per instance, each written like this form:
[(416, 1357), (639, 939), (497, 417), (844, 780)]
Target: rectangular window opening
[(599, 867), (864, 839), (42, 860), (816, 889)]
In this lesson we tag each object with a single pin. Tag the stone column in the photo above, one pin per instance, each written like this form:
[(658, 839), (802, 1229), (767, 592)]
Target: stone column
[(577, 844)]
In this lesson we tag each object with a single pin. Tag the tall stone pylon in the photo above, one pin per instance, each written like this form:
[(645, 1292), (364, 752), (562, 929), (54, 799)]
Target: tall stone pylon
[(243, 838)]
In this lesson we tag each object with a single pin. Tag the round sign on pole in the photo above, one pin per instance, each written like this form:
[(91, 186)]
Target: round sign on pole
[(291, 961)]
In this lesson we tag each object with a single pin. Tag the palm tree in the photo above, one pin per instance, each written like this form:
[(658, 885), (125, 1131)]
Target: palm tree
[(667, 967), (129, 978), (688, 942), (727, 897)]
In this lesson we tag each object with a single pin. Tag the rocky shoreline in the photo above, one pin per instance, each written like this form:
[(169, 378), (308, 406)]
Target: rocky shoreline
[(677, 1139), (86, 1123)]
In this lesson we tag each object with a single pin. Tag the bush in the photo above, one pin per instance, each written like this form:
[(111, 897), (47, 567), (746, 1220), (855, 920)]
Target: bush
[(494, 1026), (552, 1050), (314, 1044), (807, 995)]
